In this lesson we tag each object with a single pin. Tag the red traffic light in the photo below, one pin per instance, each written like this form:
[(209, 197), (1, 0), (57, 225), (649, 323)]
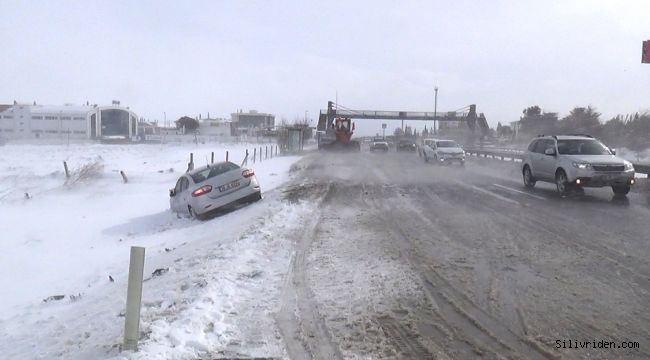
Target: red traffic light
[(645, 52)]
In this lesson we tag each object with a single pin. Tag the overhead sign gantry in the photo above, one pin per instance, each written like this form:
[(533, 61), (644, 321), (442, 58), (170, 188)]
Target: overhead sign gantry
[(466, 114)]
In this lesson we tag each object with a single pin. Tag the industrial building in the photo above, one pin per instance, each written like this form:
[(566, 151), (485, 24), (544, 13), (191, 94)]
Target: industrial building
[(249, 123), (32, 121), (216, 127)]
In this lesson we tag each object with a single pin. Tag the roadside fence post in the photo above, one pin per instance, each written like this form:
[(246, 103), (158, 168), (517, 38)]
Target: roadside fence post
[(65, 167), (190, 165), (124, 178), (134, 299)]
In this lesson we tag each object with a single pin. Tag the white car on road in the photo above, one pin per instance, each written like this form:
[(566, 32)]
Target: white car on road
[(574, 162), (423, 144), (444, 152)]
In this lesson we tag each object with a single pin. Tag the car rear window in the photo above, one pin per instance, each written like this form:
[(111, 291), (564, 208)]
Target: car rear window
[(212, 171)]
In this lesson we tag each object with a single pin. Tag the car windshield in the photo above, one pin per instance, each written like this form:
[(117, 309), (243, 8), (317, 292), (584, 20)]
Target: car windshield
[(447, 144), (582, 147)]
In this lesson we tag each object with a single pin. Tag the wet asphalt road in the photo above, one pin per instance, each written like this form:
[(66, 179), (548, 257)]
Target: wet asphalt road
[(412, 260)]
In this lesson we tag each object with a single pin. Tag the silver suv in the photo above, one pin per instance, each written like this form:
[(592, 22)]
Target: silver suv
[(575, 161)]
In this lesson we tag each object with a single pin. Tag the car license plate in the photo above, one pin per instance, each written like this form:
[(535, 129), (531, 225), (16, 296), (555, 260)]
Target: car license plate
[(229, 186)]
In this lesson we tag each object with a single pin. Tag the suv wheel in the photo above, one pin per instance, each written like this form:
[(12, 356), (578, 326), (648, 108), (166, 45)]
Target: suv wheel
[(529, 181), (621, 189), (561, 182)]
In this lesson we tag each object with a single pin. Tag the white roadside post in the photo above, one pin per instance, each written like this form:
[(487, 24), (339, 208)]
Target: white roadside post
[(134, 299)]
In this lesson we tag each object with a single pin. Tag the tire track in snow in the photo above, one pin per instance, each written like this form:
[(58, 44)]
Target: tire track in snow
[(471, 323), (303, 329)]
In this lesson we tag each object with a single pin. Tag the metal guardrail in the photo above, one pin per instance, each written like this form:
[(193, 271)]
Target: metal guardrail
[(518, 155)]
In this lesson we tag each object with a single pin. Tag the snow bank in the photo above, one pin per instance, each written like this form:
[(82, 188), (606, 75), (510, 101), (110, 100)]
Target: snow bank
[(68, 239)]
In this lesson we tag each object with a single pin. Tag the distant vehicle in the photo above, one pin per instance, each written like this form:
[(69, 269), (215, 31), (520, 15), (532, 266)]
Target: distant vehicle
[(406, 145), (574, 162), (212, 187), (444, 152), (425, 142), (379, 146), (339, 136)]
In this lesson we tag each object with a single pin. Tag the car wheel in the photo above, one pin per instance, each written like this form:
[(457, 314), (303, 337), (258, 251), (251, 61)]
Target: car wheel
[(621, 189), (561, 182), (529, 181)]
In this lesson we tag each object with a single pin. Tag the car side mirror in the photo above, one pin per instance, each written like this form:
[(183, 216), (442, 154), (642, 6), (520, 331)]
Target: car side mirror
[(172, 192), (613, 151), (549, 151)]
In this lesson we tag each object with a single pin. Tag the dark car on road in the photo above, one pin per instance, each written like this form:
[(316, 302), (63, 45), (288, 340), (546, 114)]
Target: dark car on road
[(406, 145)]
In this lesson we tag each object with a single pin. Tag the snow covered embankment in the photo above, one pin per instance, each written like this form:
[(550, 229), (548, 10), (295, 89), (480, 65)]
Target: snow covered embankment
[(67, 240)]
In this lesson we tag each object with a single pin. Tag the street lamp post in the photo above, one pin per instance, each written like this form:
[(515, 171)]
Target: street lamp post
[(435, 110)]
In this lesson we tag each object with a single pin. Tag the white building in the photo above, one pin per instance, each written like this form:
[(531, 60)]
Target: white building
[(31, 121), (220, 128)]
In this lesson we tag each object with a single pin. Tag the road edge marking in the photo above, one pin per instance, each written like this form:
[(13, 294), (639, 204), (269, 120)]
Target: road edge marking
[(519, 191)]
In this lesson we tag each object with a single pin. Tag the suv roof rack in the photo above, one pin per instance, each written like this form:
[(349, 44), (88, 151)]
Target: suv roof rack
[(585, 135)]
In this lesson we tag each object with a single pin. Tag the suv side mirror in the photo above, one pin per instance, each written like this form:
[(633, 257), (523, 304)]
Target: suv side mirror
[(172, 192), (549, 151), (613, 151)]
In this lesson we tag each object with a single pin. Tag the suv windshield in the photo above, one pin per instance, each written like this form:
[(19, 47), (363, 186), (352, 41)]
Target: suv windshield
[(447, 144), (582, 147)]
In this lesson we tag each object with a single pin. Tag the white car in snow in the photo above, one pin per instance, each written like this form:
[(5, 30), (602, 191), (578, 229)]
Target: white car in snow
[(211, 187), (444, 152)]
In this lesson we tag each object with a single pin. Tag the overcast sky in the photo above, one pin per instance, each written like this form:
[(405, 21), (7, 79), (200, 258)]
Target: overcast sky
[(288, 57)]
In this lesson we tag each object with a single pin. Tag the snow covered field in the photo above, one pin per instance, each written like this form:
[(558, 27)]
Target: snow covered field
[(68, 239)]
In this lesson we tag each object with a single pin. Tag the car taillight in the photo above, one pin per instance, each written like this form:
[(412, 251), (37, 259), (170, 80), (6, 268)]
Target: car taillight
[(202, 190), (248, 173)]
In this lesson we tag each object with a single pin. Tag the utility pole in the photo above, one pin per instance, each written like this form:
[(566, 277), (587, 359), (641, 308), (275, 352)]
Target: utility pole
[(435, 109)]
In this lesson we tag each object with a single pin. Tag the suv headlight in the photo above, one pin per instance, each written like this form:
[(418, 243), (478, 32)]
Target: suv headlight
[(582, 165), (628, 165)]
